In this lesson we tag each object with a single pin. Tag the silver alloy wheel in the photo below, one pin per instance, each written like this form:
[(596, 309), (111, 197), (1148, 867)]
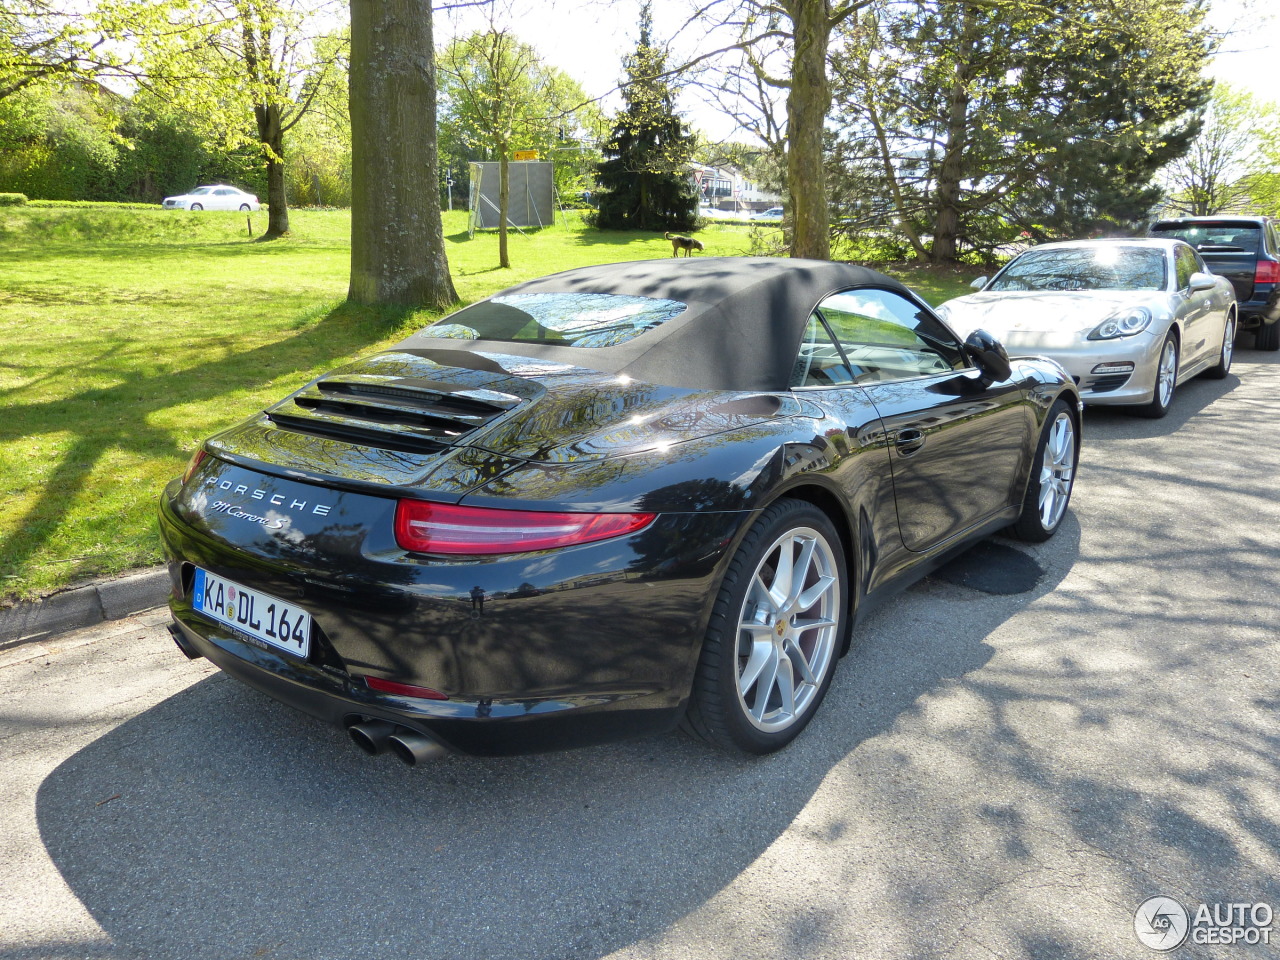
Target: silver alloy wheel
[(787, 629), (1167, 373), (1057, 470), (1228, 343)]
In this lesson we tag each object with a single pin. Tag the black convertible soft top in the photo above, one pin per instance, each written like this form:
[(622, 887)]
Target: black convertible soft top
[(741, 330)]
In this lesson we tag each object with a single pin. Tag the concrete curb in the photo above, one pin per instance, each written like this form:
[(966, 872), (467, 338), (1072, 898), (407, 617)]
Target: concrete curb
[(83, 607)]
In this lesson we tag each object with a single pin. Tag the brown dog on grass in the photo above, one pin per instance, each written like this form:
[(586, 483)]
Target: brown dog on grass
[(687, 244)]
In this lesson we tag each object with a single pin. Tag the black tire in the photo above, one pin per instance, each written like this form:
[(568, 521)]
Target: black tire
[(244, 208), (1267, 336), (196, 206), (1053, 474), (751, 634), (1162, 400), (1223, 366)]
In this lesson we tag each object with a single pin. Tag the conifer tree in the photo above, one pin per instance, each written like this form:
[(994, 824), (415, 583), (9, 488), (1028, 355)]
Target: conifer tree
[(643, 181)]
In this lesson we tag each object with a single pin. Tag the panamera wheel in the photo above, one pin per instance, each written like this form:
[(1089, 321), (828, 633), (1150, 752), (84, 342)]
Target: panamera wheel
[(1052, 477), (1223, 366), (775, 634), (1166, 381)]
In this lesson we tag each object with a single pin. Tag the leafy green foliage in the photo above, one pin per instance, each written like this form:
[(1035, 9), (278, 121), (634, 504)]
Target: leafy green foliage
[(495, 90), (44, 40), (975, 123), (246, 70), (318, 173), (86, 204), (12, 199), (497, 96), (1230, 164), (643, 182), (68, 141), (59, 142)]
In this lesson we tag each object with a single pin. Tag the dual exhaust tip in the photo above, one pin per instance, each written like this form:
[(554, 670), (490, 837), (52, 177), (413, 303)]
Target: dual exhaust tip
[(371, 736), (378, 736)]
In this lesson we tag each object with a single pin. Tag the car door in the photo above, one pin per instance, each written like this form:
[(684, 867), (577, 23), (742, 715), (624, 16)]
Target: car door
[(1201, 325), (863, 472), (959, 445), (224, 199)]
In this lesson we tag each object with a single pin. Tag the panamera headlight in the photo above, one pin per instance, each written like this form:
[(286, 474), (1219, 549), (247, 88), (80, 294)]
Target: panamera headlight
[(1123, 324)]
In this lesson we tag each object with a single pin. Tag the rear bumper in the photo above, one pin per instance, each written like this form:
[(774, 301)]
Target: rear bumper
[(478, 726), (1264, 307), (569, 648)]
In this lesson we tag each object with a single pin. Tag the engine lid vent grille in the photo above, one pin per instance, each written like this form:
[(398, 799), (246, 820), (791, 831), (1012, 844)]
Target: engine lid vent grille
[(401, 414)]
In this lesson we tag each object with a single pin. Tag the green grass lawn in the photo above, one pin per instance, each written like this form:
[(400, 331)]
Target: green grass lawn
[(130, 335)]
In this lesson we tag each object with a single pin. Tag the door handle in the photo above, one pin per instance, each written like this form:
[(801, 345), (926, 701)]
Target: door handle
[(909, 440)]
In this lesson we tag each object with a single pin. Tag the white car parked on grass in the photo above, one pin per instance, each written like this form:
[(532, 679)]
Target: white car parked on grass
[(216, 197), (1128, 319)]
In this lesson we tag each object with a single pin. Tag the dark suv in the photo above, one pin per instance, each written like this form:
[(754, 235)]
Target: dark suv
[(1245, 250)]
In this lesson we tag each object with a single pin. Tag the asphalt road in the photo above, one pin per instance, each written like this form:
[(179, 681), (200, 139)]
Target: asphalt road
[(992, 775)]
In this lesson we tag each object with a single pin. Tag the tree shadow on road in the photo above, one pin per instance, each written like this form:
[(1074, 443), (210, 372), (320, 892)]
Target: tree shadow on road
[(242, 826)]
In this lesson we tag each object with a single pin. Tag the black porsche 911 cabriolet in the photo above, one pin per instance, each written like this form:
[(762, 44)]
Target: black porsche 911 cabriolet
[(607, 501)]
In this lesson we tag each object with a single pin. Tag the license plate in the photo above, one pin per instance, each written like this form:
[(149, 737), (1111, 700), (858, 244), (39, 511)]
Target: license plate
[(265, 618)]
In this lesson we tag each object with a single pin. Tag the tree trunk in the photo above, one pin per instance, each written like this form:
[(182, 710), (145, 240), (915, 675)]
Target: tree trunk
[(397, 239), (807, 103), (272, 139), (504, 203), (891, 178), (946, 224)]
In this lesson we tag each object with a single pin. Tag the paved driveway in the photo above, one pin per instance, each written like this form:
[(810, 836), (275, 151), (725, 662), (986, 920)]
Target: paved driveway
[(991, 775)]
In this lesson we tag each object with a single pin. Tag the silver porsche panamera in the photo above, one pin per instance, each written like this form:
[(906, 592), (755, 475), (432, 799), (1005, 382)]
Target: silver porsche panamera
[(1128, 319)]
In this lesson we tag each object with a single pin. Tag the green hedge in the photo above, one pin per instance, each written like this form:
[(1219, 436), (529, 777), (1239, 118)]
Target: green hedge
[(12, 199), (81, 204)]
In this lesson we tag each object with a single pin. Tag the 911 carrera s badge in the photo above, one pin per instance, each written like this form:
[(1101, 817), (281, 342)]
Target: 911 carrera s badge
[(231, 510)]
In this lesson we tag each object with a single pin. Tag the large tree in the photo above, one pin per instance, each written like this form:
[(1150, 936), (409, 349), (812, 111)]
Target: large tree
[(45, 39), (498, 96), (397, 238), (802, 30), (976, 120), (1231, 157), (226, 61), (644, 181)]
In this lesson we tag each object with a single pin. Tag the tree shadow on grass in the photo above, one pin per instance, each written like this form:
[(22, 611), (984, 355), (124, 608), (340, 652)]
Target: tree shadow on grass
[(616, 238), (104, 420)]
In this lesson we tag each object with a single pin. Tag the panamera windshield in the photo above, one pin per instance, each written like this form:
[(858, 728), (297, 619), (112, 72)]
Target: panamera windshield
[(562, 319), (1102, 267)]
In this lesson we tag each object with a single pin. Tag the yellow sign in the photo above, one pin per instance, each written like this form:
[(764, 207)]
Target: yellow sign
[(526, 155)]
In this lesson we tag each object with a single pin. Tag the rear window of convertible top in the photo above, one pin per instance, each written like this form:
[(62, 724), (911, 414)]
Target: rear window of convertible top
[(563, 319)]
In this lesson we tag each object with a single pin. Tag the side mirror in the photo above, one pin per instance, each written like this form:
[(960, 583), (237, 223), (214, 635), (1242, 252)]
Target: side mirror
[(989, 354), (1202, 281), (979, 283)]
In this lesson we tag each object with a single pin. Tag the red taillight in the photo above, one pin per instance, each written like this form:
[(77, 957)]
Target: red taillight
[(447, 528), (194, 462), (1267, 271), (403, 689)]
